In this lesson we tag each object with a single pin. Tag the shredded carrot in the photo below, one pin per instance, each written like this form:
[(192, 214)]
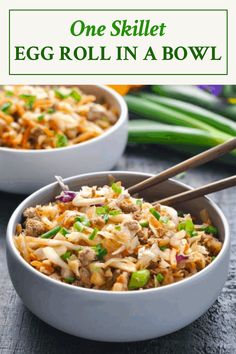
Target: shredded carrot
[(48, 132), (8, 119), (20, 110), (36, 264), (84, 137), (33, 257), (43, 104), (26, 137), (155, 222)]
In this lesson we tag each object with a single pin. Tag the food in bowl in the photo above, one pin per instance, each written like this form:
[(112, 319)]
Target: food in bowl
[(43, 117), (103, 238)]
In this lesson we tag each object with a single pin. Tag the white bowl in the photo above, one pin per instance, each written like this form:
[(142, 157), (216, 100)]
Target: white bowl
[(119, 316), (24, 171)]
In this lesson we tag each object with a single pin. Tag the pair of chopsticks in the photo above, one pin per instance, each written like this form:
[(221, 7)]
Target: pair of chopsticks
[(197, 160)]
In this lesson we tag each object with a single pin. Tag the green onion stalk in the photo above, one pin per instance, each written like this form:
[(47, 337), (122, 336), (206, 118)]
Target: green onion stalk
[(162, 114), (179, 125), (183, 139), (193, 94), (215, 120)]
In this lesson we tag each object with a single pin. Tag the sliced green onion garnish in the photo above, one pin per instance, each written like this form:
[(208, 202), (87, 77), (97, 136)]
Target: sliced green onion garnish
[(5, 107), (193, 233), (29, 100), (102, 210), (116, 188), (40, 118), (139, 202), (61, 140), (66, 255), (51, 233), (163, 248), (78, 226), (144, 223), (164, 219), (155, 213), (106, 218), (64, 231), (76, 95), (114, 212), (118, 227), (139, 279), (61, 95), (100, 251), (189, 226), (9, 93), (213, 258), (181, 226), (160, 277), (51, 110), (186, 225), (93, 234), (83, 219), (210, 230), (24, 96), (69, 280)]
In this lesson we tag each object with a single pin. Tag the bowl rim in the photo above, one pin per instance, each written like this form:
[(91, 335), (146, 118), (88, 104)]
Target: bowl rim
[(121, 119), (11, 246)]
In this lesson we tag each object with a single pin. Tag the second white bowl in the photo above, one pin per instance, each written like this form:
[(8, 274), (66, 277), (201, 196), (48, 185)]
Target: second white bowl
[(24, 171)]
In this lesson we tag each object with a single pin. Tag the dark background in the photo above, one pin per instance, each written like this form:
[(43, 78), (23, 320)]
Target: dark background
[(214, 332)]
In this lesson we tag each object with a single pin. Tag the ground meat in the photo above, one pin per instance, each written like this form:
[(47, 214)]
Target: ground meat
[(121, 283), (158, 207), (133, 226), (86, 256), (127, 206), (97, 222), (34, 227), (18, 229), (143, 236), (3, 128), (116, 273), (96, 112), (137, 215), (35, 134), (111, 117), (85, 277), (30, 213), (213, 245), (46, 267)]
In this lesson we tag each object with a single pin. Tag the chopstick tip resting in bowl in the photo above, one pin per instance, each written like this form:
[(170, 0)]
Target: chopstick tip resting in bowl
[(200, 192)]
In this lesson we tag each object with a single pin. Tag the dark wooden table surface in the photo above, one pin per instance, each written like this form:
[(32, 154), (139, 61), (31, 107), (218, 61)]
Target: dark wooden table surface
[(214, 332)]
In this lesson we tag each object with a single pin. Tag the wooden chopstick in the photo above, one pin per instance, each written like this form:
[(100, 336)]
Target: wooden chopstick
[(199, 192), (194, 161)]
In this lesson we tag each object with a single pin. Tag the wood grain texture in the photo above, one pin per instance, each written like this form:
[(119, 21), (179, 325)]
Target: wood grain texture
[(214, 332)]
